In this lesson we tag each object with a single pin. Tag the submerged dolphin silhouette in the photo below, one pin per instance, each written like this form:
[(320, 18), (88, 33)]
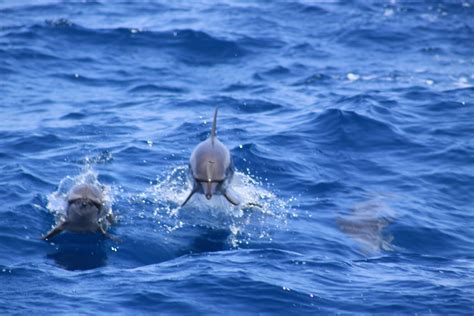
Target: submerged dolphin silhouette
[(211, 168), (85, 213)]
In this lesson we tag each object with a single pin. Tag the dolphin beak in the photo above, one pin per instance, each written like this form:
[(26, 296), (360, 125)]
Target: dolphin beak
[(209, 189)]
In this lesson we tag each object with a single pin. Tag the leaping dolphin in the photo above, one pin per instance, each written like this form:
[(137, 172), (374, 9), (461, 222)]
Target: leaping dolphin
[(211, 168), (85, 213)]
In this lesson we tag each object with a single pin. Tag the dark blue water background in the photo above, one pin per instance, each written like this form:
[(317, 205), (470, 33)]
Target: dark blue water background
[(351, 123)]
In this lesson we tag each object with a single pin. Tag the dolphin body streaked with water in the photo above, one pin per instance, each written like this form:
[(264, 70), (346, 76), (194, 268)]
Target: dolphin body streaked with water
[(211, 168), (86, 212)]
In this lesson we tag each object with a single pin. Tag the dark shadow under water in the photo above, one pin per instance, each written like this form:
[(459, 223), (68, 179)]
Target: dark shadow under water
[(201, 239), (366, 224), (89, 251), (79, 252), (210, 240)]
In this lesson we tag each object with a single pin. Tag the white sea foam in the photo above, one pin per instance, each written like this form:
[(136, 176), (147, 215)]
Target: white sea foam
[(259, 212)]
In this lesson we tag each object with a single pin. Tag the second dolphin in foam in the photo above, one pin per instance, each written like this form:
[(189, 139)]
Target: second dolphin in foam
[(211, 168), (85, 213)]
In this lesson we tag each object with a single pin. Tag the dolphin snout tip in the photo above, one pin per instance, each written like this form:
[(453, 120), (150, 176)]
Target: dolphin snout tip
[(208, 196)]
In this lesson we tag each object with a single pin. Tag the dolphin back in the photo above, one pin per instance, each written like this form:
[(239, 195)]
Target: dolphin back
[(210, 161)]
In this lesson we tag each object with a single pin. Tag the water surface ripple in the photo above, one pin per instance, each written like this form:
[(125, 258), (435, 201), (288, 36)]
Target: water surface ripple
[(350, 124)]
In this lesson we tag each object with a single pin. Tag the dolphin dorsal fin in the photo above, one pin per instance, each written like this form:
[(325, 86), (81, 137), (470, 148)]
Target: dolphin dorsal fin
[(214, 123)]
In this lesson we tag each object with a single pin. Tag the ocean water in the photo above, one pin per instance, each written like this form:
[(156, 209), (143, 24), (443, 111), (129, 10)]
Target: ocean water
[(351, 125)]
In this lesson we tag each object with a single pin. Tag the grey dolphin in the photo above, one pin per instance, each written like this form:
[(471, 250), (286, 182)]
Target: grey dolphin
[(211, 168), (85, 213)]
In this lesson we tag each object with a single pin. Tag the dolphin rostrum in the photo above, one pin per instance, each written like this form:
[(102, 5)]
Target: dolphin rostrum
[(86, 212), (211, 168)]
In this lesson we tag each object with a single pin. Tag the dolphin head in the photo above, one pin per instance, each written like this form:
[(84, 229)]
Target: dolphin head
[(85, 212), (209, 189), (85, 208), (210, 169), (210, 176)]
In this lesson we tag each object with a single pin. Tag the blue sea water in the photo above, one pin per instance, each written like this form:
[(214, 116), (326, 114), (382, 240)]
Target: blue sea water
[(351, 124)]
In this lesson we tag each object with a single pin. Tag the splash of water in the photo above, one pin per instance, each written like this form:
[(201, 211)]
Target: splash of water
[(259, 212)]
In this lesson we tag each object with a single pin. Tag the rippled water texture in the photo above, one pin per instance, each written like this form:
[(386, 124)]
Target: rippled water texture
[(351, 125)]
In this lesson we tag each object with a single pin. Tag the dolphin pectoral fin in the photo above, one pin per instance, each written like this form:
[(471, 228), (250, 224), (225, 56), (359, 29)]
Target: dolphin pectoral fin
[(111, 218), (187, 199), (109, 236), (252, 204), (231, 198), (102, 230), (113, 238), (55, 231)]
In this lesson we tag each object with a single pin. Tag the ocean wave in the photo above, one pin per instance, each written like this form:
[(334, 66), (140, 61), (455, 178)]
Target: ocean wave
[(349, 123), (357, 131), (195, 47), (151, 88)]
